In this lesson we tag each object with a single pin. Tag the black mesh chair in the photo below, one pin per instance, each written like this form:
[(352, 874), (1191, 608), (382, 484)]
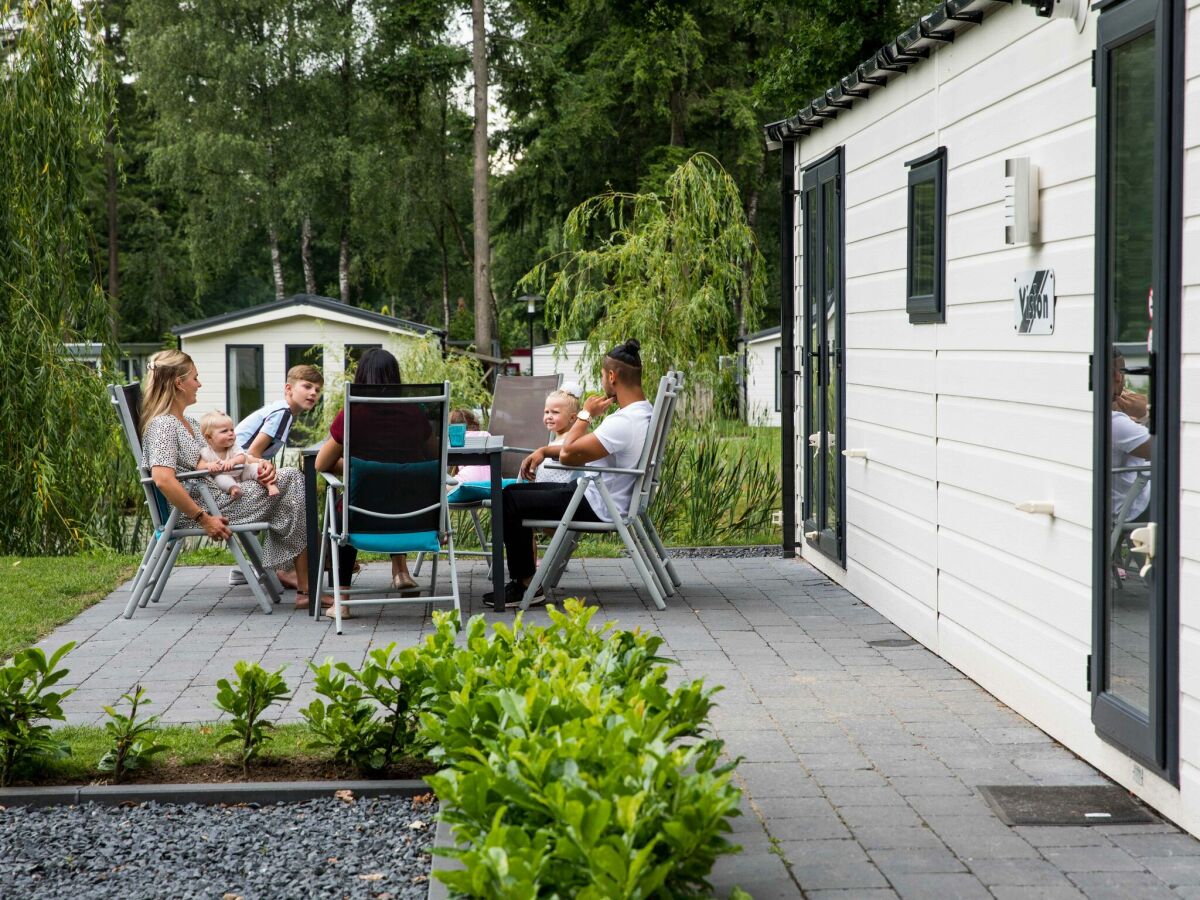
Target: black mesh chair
[(391, 497)]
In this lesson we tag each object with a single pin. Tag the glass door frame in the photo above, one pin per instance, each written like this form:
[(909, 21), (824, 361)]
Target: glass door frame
[(1151, 737), (818, 367)]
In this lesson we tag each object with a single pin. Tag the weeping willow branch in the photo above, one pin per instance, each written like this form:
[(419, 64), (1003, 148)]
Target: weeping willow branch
[(61, 475), (668, 270)]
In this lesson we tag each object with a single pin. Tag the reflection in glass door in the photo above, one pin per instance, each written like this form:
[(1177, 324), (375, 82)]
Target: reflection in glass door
[(824, 375), (1135, 369)]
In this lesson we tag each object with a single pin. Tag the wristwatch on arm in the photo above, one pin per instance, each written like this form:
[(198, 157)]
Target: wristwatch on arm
[(584, 416)]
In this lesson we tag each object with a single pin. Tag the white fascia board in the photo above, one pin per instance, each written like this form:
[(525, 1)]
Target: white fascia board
[(303, 310)]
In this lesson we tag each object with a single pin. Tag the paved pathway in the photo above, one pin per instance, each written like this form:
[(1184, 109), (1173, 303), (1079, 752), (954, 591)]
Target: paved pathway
[(859, 761)]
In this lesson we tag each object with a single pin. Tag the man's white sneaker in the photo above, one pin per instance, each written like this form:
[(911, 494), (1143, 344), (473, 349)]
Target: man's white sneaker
[(236, 576)]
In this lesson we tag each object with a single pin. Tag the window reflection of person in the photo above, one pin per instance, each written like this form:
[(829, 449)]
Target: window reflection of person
[(1130, 444)]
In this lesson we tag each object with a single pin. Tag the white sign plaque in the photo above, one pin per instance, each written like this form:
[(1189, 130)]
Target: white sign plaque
[(1033, 302)]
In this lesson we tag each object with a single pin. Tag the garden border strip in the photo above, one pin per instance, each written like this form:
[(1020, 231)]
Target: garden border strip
[(441, 838), (261, 792)]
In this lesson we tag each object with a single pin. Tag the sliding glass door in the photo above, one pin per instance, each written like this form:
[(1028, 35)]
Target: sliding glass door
[(1135, 380), (824, 374)]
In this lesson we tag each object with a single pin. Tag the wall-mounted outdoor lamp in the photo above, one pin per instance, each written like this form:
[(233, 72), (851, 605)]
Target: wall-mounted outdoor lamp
[(1020, 200)]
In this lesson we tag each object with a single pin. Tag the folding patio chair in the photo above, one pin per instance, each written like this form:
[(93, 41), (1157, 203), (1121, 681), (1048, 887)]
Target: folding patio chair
[(629, 526), (166, 540), (657, 555), (1121, 525), (393, 486), (518, 405)]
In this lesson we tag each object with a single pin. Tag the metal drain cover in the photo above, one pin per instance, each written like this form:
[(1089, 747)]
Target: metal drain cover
[(893, 642), (1089, 804)]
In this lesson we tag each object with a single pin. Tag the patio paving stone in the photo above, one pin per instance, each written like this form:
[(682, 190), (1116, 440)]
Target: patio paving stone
[(860, 764)]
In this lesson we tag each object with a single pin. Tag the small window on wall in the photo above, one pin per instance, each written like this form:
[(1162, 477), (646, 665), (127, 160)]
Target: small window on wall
[(243, 380), (926, 301), (354, 353), (302, 355), (307, 425)]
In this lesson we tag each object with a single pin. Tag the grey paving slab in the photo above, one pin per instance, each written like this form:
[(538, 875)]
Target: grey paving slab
[(860, 764)]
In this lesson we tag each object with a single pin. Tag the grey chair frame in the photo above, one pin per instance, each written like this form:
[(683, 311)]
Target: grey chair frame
[(1121, 525), (336, 528), (553, 382), (630, 526), (166, 540)]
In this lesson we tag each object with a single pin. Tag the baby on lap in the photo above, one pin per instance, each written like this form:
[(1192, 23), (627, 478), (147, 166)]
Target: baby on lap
[(223, 455)]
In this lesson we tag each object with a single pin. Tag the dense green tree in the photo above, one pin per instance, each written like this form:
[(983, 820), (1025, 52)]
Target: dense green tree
[(58, 481), (614, 94)]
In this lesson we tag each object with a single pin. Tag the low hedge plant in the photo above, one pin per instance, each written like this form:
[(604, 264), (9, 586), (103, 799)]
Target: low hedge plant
[(570, 768)]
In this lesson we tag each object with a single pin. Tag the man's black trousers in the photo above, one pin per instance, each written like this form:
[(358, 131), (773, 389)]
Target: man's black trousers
[(531, 500)]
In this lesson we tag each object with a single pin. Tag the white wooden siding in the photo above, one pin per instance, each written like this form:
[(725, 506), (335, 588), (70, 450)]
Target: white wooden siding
[(1189, 463), (569, 364), (761, 381), (208, 351), (965, 419)]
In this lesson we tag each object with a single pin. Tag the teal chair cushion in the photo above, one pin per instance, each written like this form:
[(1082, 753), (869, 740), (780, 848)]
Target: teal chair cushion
[(475, 491), (404, 542)]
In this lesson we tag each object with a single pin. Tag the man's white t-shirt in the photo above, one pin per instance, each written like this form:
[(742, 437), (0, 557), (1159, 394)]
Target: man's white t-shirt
[(623, 434), (1128, 435)]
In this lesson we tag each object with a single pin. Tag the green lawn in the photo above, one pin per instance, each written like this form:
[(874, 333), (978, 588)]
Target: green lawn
[(192, 754), (39, 593)]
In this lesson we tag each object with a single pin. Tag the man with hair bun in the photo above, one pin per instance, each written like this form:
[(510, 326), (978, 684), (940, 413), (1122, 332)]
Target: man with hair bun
[(616, 443)]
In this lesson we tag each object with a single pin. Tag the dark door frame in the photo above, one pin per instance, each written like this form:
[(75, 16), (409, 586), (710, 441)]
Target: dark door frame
[(818, 364), (787, 337), (1152, 739)]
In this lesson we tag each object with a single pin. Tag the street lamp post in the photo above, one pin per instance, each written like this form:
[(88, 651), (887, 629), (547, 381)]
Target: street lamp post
[(531, 302)]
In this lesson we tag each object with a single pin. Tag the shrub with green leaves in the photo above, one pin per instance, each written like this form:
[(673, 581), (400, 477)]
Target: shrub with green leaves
[(371, 719), (132, 738), (246, 702), (571, 768), (27, 706)]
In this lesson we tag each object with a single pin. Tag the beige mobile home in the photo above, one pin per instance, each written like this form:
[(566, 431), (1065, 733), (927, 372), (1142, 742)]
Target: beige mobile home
[(243, 356), (991, 402)]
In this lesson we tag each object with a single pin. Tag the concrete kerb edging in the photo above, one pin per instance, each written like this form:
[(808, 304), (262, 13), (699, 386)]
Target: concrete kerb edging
[(261, 792)]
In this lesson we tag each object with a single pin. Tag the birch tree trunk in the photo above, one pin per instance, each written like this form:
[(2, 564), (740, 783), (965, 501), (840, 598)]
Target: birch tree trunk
[(344, 265), (310, 277), (276, 260), (483, 305)]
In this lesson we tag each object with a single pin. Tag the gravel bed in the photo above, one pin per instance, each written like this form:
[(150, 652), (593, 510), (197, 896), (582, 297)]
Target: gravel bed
[(323, 848), (752, 551)]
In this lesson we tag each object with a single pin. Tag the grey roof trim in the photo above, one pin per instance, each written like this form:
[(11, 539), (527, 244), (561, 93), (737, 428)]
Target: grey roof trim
[(759, 335), (327, 303), (889, 62)]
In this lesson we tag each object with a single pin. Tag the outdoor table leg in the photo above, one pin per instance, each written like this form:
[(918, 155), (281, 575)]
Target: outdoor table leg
[(312, 537), (497, 532)]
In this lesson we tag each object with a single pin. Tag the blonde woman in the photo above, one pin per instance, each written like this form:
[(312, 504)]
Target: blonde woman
[(173, 442)]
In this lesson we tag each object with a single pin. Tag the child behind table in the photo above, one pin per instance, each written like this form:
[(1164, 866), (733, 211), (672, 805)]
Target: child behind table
[(223, 456), (562, 408), (475, 482)]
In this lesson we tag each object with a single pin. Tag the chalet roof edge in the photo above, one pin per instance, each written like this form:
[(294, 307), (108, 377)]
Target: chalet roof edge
[(326, 303), (916, 43)]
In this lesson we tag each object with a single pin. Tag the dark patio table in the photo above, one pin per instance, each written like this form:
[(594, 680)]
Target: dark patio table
[(479, 451)]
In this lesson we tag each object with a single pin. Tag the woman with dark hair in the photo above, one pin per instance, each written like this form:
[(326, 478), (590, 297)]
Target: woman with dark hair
[(377, 366)]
